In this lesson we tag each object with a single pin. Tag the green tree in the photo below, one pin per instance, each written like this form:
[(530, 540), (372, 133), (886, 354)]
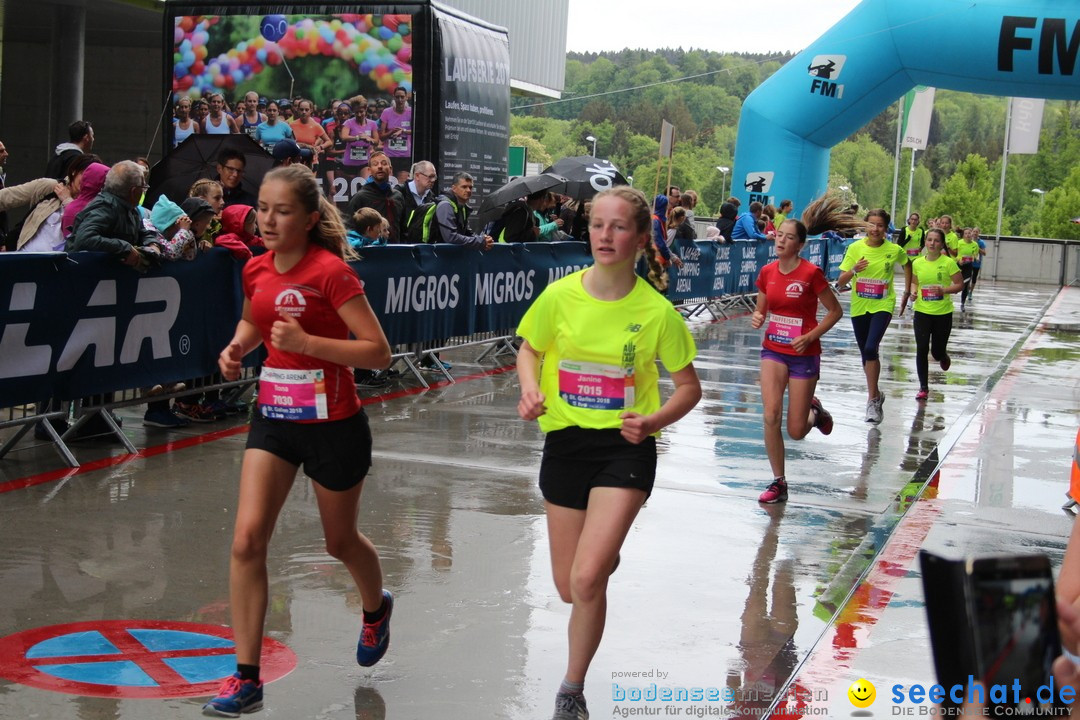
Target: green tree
[(1060, 206), (534, 151), (969, 195)]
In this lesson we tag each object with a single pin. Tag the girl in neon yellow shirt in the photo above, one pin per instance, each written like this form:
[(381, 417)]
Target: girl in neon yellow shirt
[(870, 262), (599, 332), (935, 277)]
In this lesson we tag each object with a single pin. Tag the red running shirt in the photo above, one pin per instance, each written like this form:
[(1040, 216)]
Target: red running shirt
[(311, 292), (792, 301)]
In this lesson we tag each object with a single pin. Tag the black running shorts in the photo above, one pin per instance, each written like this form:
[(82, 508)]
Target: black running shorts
[(577, 459), (336, 453)]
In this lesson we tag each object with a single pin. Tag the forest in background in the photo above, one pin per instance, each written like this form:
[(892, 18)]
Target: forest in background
[(620, 98)]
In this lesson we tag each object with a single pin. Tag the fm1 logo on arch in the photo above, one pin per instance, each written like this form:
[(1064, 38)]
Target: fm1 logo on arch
[(131, 658)]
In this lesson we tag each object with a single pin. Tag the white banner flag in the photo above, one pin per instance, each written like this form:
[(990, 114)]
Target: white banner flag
[(918, 108), (1027, 114), (667, 139)]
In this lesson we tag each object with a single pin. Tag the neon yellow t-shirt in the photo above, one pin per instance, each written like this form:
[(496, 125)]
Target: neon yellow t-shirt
[(599, 357), (872, 288), (951, 240), (967, 250), (913, 243), (932, 277)]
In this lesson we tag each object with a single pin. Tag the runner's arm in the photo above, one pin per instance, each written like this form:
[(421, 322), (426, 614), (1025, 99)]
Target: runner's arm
[(531, 404), (636, 428)]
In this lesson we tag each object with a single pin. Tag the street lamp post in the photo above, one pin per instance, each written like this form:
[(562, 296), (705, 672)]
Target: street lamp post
[(1042, 197), (590, 138), (630, 179), (723, 183)]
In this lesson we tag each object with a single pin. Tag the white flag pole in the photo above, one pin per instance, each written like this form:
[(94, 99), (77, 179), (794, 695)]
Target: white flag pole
[(1001, 189), (911, 183), (896, 162)]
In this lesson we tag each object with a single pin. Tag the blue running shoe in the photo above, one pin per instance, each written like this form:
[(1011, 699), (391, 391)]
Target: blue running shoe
[(236, 696), (375, 637)]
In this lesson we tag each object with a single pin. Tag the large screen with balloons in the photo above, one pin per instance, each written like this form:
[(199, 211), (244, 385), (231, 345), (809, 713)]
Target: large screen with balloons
[(355, 69)]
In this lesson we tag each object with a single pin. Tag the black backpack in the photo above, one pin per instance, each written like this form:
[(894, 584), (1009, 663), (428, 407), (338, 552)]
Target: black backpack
[(417, 224)]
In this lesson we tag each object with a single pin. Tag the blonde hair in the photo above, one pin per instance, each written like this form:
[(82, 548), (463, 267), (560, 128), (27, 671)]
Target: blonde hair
[(365, 218), (641, 216), (201, 188), (329, 231), (639, 206)]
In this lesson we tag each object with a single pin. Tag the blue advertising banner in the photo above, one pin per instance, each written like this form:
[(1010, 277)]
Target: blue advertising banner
[(78, 325), (83, 324)]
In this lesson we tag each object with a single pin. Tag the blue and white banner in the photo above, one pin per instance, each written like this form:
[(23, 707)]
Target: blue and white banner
[(78, 325)]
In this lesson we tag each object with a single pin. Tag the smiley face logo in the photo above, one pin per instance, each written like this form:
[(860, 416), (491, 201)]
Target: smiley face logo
[(862, 693)]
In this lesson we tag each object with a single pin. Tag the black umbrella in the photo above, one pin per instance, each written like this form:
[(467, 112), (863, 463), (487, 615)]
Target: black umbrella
[(196, 157), (586, 176), (520, 187)]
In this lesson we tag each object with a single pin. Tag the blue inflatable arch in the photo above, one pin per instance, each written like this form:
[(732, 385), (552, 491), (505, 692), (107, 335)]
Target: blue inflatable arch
[(879, 51)]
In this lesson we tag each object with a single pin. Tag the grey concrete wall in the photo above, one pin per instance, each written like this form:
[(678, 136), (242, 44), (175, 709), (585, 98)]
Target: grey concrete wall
[(122, 102), (1032, 262)]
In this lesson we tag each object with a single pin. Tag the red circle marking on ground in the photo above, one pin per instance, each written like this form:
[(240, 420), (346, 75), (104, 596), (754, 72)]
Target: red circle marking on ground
[(277, 659)]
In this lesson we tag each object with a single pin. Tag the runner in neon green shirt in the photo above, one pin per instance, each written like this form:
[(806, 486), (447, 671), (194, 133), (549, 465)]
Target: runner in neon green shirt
[(911, 236), (599, 333), (935, 278), (871, 262), (967, 252)]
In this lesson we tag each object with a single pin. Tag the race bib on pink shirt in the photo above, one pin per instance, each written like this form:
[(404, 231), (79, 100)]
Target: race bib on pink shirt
[(932, 293), (871, 288), (292, 394), (783, 329), (595, 386)]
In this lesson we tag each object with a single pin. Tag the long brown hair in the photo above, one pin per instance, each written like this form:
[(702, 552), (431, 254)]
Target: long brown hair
[(828, 212), (329, 231)]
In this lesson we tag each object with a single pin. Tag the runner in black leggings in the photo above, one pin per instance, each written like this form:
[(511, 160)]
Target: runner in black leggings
[(935, 278)]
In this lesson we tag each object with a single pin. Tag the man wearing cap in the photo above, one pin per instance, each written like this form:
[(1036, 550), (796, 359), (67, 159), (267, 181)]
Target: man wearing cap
[(287, 152), (378, 194)]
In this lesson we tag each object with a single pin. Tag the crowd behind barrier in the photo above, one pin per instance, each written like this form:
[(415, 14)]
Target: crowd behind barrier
[(81, 324)]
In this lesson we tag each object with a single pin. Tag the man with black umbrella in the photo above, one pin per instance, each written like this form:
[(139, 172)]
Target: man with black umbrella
[(230, 167)]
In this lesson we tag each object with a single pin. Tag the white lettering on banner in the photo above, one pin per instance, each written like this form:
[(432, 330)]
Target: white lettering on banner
[(749, 266), (689, 252), (683, 285), (560, 272), (690, 269), (749, 252), (426, 292), (503, 287), (460, 69), (721, 269), (17, 359), (723, 253)]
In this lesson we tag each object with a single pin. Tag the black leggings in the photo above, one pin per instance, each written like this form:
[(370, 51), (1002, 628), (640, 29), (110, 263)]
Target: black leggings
[(869, 329), (931, 336), (969, 281)]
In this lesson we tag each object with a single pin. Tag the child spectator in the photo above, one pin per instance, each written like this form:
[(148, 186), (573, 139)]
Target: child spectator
[(371, 228), (238, 231), (212, 192), (201, 215), (175, 240)]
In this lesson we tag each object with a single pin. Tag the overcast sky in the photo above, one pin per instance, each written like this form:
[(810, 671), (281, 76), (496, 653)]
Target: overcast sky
[(717, 25)]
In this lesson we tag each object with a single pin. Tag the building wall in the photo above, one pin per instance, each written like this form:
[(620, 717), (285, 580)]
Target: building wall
[(537, 40)]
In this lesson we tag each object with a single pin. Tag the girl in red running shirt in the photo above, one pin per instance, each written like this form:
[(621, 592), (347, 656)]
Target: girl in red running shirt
[(789, 290), (302, 301)]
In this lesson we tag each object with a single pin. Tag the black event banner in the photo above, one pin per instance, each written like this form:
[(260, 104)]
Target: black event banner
[(83, 324), (473, 102)]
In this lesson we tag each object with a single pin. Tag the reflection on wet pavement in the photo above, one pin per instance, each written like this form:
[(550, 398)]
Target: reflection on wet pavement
[(714, 591)]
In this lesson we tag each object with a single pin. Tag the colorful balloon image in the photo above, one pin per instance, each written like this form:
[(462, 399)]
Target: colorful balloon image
[(273, 27), (378, 47)]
